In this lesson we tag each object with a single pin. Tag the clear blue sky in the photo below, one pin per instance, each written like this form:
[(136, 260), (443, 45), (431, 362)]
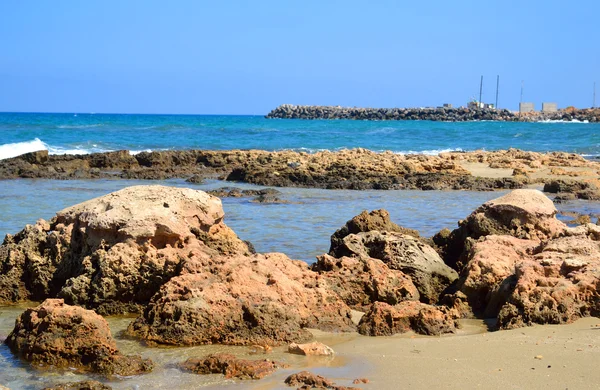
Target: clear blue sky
[(246, 57)]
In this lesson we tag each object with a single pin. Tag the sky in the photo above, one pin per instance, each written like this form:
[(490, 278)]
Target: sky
[(247, 57)]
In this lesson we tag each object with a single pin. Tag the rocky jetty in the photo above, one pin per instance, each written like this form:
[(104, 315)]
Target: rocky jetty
[(57, 335), (460, 114), (346, 169)]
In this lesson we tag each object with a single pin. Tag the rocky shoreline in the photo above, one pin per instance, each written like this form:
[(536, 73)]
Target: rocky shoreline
[(460, 114), (166, 254), (358, 169)]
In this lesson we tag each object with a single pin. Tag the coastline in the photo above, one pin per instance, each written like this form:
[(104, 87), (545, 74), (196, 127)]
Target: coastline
[(358, 169)]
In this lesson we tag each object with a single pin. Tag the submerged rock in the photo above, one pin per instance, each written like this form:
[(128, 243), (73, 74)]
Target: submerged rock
[(232, 367), (59, 335), (83, 385), (308, 380)]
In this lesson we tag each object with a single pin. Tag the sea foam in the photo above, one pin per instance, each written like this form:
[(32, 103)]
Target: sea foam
[(19, 148)]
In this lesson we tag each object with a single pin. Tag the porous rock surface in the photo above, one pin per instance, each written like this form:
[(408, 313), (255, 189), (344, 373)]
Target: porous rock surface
[(83, 385), (310, 349), (59, 335), (386, 320), (370, 245), (242, 300), (167, 250), (114, 252), (523, 266), (526, 214), (308, 380), (231, 366)]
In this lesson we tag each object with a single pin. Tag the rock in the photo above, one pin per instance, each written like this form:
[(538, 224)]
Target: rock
[(358, 381), (310, 349), (376, 220), (195, 179), (83, 385), (59, 335), (307, 378), (387, 320), (242, 300), (267, 198), (522, 282), (362, 280), (114, 252), (488, 277), (404, 253), (168, 250), (232, 367), (526, 214)]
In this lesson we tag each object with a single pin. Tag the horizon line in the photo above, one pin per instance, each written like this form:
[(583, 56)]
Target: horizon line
[(119, 113)]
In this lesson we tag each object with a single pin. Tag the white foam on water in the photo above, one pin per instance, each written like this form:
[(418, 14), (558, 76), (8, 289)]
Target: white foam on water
[(19, 148), (431, 152), (563, 121)]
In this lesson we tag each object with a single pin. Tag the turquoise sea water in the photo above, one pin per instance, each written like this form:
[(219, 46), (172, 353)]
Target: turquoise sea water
[(300, 228), (84, 133)]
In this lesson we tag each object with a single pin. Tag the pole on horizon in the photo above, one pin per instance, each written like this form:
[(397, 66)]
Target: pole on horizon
[(521, 101), (480, 91), (497, 87)]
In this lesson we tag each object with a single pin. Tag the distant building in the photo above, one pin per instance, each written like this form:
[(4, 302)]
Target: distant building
[(476, 104), (447, 105), (526, 107), (549, 107)]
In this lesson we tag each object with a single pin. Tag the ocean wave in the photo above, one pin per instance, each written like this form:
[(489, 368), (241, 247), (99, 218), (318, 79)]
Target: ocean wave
[(431, 152), (18, 148), (563, 121), (80, 126)]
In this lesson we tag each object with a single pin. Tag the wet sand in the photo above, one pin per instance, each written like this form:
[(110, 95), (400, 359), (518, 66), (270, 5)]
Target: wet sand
[(567, 358)]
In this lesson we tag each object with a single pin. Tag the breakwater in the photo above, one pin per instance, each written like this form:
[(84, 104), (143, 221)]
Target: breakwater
[(460, 114)]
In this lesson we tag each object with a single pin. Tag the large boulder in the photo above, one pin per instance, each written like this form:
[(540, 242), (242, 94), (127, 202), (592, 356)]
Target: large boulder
[(114, 252), (376, 258), (538, 272), (376, 220), (168, 250), (405, 253), (59, 335), (261, 299), (526, 214)]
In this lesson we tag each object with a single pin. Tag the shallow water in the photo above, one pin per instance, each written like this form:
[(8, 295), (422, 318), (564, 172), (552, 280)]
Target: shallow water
[(300, 229)]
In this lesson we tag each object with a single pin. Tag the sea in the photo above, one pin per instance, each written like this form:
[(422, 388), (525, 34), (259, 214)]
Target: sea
[(301, 227)]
